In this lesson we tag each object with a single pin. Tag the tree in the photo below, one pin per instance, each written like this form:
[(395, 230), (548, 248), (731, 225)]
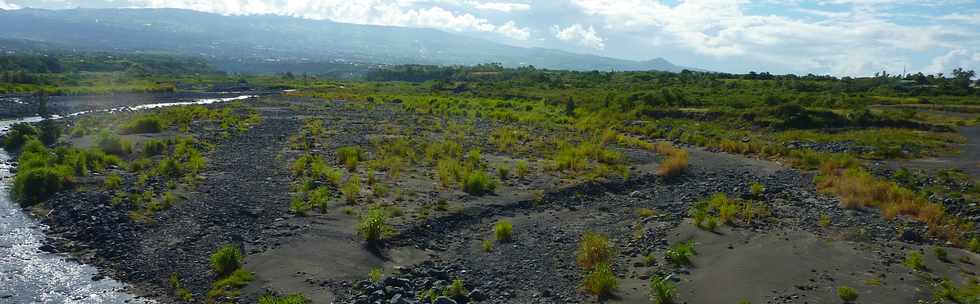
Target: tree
[(570, 107), (962, 78)]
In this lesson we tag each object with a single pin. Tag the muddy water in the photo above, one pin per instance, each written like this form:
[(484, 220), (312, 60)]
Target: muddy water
[(28, 275)]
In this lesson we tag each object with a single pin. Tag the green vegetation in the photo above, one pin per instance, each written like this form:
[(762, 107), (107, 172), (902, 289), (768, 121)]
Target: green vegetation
[(645, 213), (680, 254), (847, 294), (968, 293), (478, 183), (143, 124), (289, 299), (455, 290), (503, 230), (179, 291), (373, 226), (226, 260), (757, 189), (940, 253), (350, 157), (487, 245), (601, 281), (375, 274), (662, 290), (593, 249), (974, 245), (719, 207), (352, 189), (914, 261)]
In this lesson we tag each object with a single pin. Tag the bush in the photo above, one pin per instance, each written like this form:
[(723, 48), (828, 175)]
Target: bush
[(34, 185), (521, 169), (374, 227), (503, 230), (18, 135), (673, 165), (226, 286), (601, 281), (319, 198), (645, 213), (113, 144), (144, 124), (226, 260), (154, 147), (487, 245), (974, 245), (352, 189), (456, 290), (940, 253), (757, 189), (478, 183), (112, 182), (662, 290), (503, 172), (593, 250), (914, 261), (290, 299), (680, 254), (375, 274), (847, 294), (350, 156)]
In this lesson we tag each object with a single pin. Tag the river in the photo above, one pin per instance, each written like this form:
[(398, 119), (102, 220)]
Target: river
[(29, 275)]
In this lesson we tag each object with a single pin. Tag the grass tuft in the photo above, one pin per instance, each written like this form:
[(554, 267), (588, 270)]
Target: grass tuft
[(503, 230), (593, 249)]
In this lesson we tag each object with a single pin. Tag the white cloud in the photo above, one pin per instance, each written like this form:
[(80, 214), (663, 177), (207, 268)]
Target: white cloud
[(860, 41), (582, 35), (964, 18), (376, 12), (8, 6), (505, 7), (953, 59)]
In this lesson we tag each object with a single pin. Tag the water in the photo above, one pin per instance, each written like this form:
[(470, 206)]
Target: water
[(28, 275)]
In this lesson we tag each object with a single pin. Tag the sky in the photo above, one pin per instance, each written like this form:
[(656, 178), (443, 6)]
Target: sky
[(836, 37)]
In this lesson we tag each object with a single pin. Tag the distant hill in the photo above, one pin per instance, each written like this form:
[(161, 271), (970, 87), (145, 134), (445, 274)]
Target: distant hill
[(274, 43)]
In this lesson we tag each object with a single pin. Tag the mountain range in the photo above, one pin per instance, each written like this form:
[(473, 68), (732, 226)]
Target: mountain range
[(259, 43)]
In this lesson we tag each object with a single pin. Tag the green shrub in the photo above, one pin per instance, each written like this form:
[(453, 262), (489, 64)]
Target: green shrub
[(662, 290), (112, 182), (18, 135), (319, 198), (456, 290), (299, 206), (521, 169), (154, 147), (350, 156), (601, 281), (824, 221), (352, 189), (645, 213), (289, 299), (914, 261), (478, 183), (487, 245), (228, 285), (179, 291), (143, 124), (503, 230), (847, 294), (593, 249), (374, 227), (974, 245), (940, 253), (757, 189), (375, 274), (226, 260), (34, 185), (503, 172), (113, 144), (680, 254)]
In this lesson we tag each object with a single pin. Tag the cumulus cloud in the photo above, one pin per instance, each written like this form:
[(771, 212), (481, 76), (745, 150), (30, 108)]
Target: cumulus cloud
[(582, 35), (505, 7), (377, 12), (954, 59), (8, 6), (855, 42)]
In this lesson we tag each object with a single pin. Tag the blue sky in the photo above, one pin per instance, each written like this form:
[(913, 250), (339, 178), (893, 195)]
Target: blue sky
[(838, 37)]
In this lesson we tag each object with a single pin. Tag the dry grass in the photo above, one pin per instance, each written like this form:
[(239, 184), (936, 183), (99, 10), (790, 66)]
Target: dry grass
[(857, 188), (676, 161)]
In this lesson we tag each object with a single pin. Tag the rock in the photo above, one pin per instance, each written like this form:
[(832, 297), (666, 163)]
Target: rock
[(910, 235), (444, 300), (476, 295), (97, 277), (48, 248)]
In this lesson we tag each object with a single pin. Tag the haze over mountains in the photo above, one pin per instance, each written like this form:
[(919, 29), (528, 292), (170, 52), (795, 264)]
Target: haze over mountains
[(268, 43)]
